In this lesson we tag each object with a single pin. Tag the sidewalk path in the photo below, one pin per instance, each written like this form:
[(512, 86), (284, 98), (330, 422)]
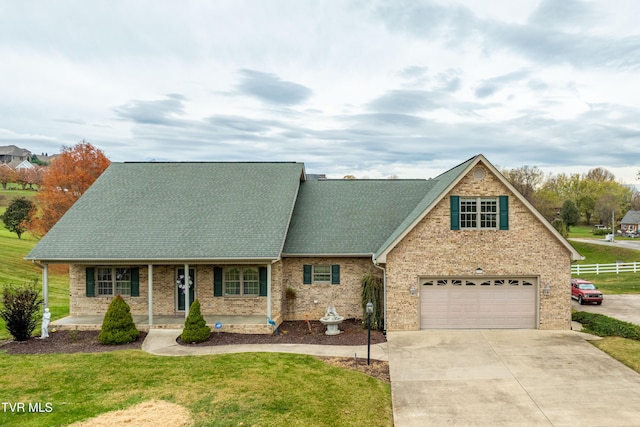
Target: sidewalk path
[(162, 342)]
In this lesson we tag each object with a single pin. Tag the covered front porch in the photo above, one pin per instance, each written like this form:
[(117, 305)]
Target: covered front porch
[(250, 324)]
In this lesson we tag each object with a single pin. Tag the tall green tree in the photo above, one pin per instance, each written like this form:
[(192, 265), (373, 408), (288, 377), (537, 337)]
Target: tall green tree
[(16, 217), (569, 214)]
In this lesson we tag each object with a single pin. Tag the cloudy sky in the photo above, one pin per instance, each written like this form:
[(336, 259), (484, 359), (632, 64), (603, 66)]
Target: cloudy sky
[(369, 88)]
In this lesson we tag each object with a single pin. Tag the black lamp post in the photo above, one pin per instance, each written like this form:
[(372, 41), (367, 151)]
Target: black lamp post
[(369, 313)]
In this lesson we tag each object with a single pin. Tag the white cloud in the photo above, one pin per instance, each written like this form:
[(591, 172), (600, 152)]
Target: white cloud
[(409, 88)]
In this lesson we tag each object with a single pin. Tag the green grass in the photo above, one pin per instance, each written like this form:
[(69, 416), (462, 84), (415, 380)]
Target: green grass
[(266, 389), (609, 283), (625, 350), (15, 270)]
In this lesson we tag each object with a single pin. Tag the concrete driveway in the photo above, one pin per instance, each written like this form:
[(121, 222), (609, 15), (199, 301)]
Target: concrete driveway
[(508, 377), (621, 307)]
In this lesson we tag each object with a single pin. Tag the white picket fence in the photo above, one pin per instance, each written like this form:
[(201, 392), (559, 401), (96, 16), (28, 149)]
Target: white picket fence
[(618, 267)]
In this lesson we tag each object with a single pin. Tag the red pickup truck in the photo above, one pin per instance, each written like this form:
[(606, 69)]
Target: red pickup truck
[(585, 292)]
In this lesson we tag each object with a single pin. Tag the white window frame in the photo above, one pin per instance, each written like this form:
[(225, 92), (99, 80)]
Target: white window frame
[(115, 283), (476, 212), (245, 284), (321, 276)]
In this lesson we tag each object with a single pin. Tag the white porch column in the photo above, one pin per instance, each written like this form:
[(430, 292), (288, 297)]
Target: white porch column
[(186, 290), (150, 287), (269, 291), (45, 286)]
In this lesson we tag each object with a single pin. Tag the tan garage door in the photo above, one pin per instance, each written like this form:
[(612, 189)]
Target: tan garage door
[(478, 303)]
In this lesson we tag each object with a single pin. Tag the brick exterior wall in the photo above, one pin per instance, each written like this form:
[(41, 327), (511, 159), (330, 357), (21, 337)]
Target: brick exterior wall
[(314, 299), (433, 249), (430, 249), (164, 294)]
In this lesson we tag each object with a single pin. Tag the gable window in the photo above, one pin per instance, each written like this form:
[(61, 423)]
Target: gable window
[(321, 274), (488, 213), (478, 213), (111, 281), (241, 281)]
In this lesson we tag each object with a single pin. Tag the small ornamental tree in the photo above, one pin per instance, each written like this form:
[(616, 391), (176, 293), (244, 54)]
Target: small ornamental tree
[(20, 310), (16, 217), (195, 327), (372, 290), (118, 326)]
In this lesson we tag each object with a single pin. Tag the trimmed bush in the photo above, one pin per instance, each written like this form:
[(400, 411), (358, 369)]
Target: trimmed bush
[(372, 290), (605, 326), (118, 326), (20, 311), (195, 327)]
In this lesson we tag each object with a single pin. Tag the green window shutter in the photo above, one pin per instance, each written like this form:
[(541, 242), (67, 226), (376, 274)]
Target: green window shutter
[(217, 281), (455, 212), (306, 274), (262, 274), (335, 274), (90, 283), (135, 282), (504, 212)]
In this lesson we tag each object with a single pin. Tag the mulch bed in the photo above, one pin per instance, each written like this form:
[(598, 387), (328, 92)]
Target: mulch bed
[(300, 332), (67, 342)]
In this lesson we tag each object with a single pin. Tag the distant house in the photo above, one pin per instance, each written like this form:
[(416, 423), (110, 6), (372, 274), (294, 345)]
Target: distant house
[(11, 153), (24, 164), (630, 222), (462, 250)]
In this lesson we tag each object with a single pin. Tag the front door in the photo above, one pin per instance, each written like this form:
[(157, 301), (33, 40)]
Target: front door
[(181, 287)]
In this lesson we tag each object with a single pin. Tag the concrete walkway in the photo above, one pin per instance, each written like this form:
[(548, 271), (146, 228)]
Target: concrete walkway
[(163, 342)]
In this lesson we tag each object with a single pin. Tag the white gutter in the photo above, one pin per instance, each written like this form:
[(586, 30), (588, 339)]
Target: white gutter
[(384, 292)]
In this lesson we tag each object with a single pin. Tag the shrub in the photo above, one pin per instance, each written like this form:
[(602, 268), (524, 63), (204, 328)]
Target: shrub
[(21, 308), (372, 290), (118, 326), (605, 326), (195, 327)]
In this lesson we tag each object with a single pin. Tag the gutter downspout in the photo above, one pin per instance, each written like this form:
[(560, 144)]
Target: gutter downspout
[(45, 283), (384, 292)]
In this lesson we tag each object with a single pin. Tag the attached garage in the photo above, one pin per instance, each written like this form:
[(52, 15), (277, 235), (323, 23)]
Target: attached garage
[(478, 303)]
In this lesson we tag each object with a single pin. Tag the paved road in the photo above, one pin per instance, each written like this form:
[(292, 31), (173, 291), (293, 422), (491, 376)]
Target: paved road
[(628, 244)]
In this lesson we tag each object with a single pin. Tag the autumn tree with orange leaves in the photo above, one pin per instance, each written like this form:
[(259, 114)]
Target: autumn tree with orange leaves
[(69, 176)]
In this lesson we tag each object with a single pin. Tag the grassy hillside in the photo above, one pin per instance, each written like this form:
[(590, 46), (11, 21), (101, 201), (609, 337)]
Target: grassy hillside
[(15, 270)]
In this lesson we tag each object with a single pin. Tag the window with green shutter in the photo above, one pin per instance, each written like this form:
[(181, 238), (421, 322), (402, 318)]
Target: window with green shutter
[(479, 213), (111, 281)]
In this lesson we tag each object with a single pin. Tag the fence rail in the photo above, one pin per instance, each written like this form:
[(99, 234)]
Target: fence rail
[(618, 267)]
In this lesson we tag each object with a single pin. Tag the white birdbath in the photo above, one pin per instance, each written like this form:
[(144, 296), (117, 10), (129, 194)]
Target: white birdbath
[(331, 320)]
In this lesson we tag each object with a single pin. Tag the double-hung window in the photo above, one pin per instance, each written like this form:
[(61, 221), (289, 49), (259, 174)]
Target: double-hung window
[(321, 273), (478, 212), (484, 213), (111, 281), (241, 281)]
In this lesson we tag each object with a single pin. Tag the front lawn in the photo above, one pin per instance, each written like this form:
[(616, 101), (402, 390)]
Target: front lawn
[(625, 350), (266, 389)]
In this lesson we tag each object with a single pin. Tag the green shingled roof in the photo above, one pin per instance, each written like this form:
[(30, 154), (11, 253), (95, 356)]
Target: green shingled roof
[(350, 217), (178, 211)]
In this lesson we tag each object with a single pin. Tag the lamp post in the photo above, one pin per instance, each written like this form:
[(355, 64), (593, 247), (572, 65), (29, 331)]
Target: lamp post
[(369, 313)]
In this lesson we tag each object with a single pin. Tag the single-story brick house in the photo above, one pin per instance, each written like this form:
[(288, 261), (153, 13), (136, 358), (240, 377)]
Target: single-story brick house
[(630, 222), (461, 250)]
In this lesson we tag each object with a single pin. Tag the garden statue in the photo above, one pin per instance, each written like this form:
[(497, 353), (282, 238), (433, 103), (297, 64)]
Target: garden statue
[(331, 320), (46, 318)]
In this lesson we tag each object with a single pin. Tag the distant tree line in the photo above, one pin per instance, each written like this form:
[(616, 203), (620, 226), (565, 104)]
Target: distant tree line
[(594, 196)]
